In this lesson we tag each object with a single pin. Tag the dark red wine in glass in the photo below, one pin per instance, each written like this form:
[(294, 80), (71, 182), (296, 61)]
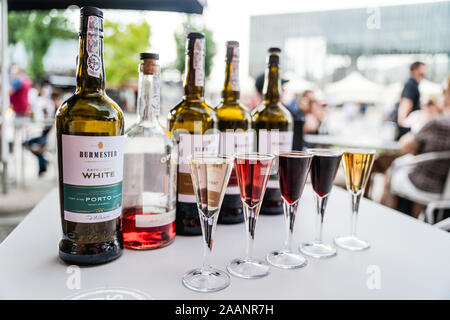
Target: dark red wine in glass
[(324, 167), (252, 174), (293, 170), (252, 171)]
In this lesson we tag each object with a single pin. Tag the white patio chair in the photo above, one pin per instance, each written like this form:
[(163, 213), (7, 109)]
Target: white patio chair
[(432, 203)]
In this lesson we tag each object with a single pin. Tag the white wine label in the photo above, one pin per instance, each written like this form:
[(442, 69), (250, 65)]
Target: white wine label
[(156, 98), (155, 220), (199, 62), (232, 143), (235, 71), (94, 61), (92, 178), (236, 142), (274, 142), (192, 144)]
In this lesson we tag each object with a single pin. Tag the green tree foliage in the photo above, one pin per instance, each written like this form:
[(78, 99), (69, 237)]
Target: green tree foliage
[(122, 45), (180, 39), (36, 30)]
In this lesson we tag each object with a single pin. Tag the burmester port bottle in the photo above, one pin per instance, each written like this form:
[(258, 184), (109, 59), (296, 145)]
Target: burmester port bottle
[(90, 129)]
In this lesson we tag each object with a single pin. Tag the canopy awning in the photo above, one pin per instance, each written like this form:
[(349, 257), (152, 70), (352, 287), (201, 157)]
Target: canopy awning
[(188, 6), (355, 88)]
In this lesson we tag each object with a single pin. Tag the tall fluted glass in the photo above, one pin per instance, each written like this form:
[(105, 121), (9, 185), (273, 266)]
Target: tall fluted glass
[(358, 165), (252, 170), (210, 175)]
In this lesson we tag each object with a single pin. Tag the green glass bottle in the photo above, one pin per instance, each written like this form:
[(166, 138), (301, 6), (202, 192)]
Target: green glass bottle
[(274, 129), (193, 124), (90, 130), (236, 134)]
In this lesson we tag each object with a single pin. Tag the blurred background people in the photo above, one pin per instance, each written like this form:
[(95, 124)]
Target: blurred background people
[(427, 178), (410, 97), (38, 145), (417, 119), (306, 106), (20, 86)]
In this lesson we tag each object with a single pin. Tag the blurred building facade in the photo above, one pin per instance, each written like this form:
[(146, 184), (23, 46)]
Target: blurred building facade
[(325, 46)]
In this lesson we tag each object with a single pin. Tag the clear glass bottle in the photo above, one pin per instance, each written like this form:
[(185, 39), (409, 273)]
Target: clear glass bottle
[(150, 164)]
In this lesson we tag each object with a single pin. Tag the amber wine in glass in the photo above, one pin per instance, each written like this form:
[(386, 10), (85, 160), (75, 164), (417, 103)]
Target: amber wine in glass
[(357, 165)]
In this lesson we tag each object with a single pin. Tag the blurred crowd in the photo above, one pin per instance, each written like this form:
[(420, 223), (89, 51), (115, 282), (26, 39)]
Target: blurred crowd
[(423, 126), (37, 103)]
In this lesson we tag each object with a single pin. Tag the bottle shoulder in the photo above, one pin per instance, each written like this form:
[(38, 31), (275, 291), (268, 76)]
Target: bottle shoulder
[(98, 106), (273, 112), (194, 109), (232, 111), (150, 134)]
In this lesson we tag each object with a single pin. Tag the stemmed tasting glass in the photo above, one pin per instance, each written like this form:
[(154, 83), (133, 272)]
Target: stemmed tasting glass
[(210, 175), (252, 171), (324, 166), (357, 165), (293, 168)]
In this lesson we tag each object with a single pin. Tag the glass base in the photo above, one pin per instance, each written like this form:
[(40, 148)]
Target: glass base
[(351, 243), (248, 269), (317, 250), (286, 259), (206, 280)]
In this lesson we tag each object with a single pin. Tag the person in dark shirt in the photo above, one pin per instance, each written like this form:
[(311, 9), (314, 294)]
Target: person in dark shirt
[(410, 97)]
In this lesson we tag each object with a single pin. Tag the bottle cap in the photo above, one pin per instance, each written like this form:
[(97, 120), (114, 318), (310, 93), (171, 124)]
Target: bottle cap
[(91, 11), (149, 63), (232, 43), (195, 35), (274, 50), (148, 55)]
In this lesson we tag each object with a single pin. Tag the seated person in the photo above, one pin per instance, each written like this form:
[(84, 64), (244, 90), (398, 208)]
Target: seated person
[(426, 179), (417, 119)]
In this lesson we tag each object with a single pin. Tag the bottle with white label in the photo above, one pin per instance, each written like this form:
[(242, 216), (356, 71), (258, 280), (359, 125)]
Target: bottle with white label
[(194, 126), (274, 129), (90, 129), (150, 164), (236, 134)]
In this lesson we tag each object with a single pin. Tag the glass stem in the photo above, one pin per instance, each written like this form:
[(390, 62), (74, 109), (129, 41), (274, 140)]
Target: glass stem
[(250, 216), (355, 207), (321, 203), (289, 215), (208, 228)]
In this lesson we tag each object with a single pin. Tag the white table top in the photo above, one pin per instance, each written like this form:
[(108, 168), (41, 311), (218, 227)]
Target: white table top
[(351, 142), (413, 259)]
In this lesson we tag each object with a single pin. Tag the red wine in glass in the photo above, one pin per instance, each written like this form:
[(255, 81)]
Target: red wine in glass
[(324, 167), (252, 174), (292, 173), (252, 171), (293, 170)]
